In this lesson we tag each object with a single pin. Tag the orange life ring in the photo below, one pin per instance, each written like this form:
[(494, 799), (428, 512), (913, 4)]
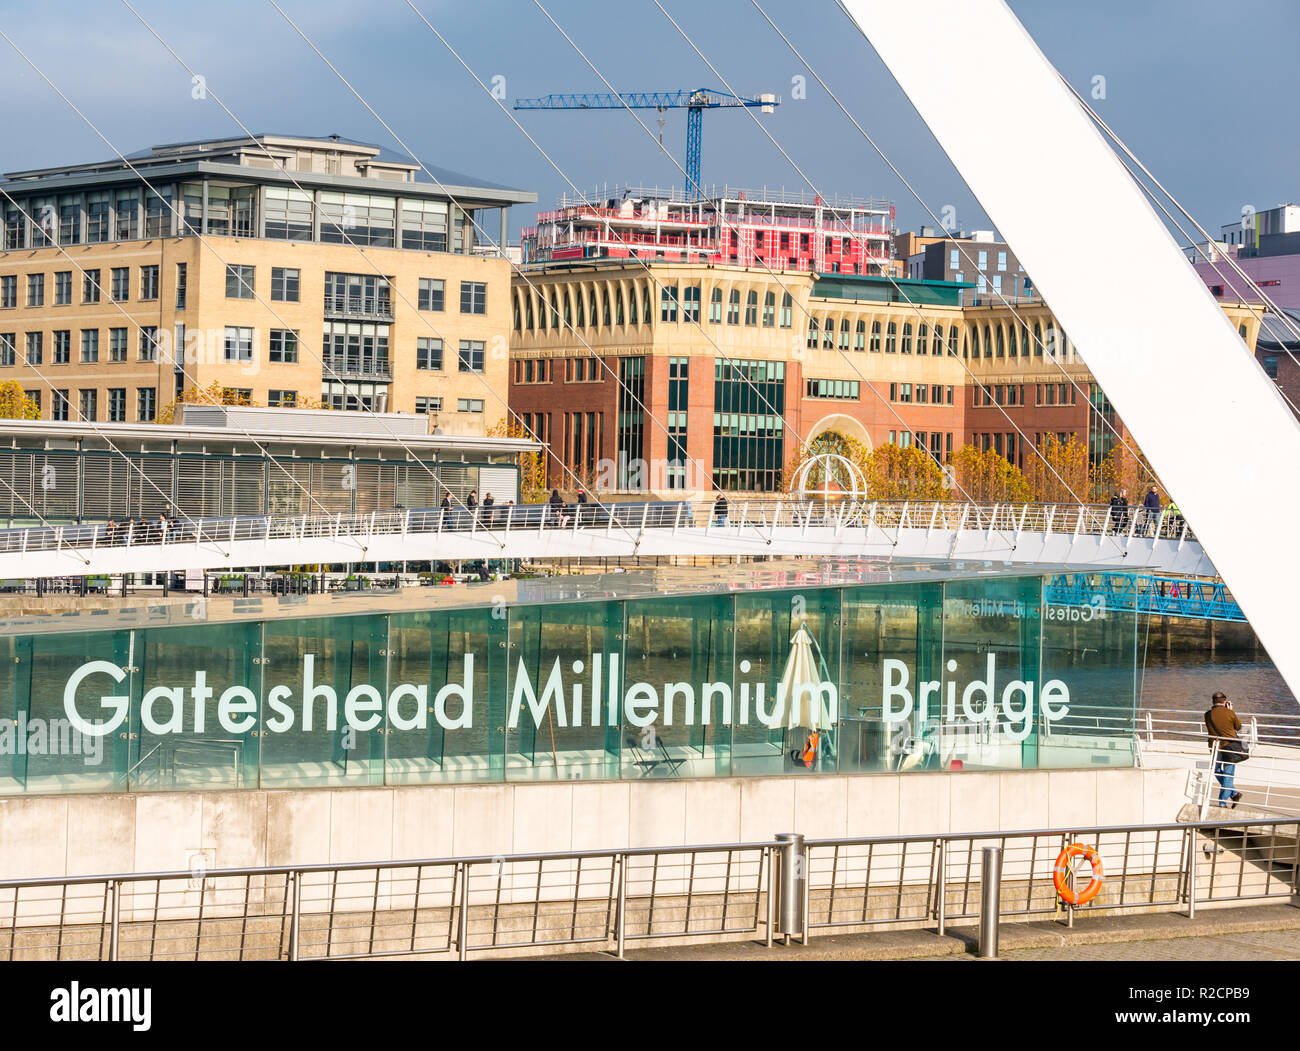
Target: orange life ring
[(1061, 873)]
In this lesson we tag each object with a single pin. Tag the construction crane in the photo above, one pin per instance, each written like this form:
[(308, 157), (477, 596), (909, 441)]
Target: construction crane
[(694, 102)]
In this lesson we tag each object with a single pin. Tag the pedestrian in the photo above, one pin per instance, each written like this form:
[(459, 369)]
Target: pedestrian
[(488, 503), (720, 510), (1223, 727), (1175, 518), (580, 506), (1117, 512), (162, 527), (556, 503), (1124, 507), (1151, 506), (110, 532)]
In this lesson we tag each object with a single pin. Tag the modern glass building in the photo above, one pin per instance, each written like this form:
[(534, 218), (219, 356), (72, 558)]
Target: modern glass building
[(765, 669)]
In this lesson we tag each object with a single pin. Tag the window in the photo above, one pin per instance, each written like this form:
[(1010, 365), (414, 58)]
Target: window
[(431, 296), (984, 260), (428, 355), (357, 218), (35, 397), (121, 286), (63, 288), (59, 408), (117, 405), (35, 290), (691, 304), (8, 291), (117, 344), (1270, 366), (7, 341), (128, 216), (751, 309), (35, 347), (89, 345), (149, 342), (146, 404), (668, 303), (239, 344), (769, 310), (89, 404), (875, 337), (62, 346), (469, 405), (905, 392), (282, 399), (149, 282), (787, 305), (283, 347), (424, 225), (1002, 261), (69, 221), (733, 307), (715, 306), (181, 290), (907, 337), (288, 214), (891, 338), (239, 282), (471, 356), (284, 284), (426, 405), (844, 389), (473, 297), (90, 286)]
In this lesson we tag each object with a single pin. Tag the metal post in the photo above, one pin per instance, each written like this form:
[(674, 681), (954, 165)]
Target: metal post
[(943, 886), (1191, 873), (115, 904), (771, 892), (295, 888), (462, 921), (620, 913), (790, 881), (990, 902)]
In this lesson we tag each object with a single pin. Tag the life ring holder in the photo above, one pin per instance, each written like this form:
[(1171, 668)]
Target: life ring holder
[(1062, 871)]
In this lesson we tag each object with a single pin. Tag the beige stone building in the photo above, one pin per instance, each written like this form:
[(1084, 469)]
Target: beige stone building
[(283, 270)]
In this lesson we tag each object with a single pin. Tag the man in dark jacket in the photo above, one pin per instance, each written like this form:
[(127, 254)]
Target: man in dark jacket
[(1152, 506), (1223, 726)]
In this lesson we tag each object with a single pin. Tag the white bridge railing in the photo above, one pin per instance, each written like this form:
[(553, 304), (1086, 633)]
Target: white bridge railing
[(1056, 533)]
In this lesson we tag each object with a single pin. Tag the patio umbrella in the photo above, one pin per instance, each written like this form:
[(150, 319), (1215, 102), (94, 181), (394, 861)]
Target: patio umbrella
[(804, 707)]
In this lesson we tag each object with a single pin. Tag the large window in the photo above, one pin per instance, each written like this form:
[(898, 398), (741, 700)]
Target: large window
[(149, 342), (9, 291), (357, 218), (128, 216), (428, 355), (89, 405), (63, 288), (35, 347), (473, 297), (471, 355), (288, 214), (283, 346), (432, 294), (146, 404), (62, 346), (89, 345), (36, 290), (239, 281), (284, 284), (117, 344), (424, 225), (149, 282), (357, 294), (117, 405), (97, 207), (238, 344), (748, 424), (121, 287)]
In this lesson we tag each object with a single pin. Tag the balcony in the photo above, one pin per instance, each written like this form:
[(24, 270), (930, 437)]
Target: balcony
[(357, 367), (367, 308)]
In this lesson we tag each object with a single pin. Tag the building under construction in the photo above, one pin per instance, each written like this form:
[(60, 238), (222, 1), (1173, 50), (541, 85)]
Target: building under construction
[(767, 229)]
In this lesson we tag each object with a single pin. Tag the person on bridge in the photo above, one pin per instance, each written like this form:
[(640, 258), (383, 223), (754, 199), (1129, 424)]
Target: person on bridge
[(556, 503), (1118, 512), (488, 504), (1223, 726), (1151, 504), (720, 510)]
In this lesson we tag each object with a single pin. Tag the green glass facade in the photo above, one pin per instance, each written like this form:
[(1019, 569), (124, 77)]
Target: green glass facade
[(969, 672)]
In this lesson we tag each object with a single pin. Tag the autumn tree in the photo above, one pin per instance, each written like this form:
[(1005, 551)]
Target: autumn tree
[(1058, 472), (894, 473), (826, 473), (16, 403), (532, 466), (988, 476)]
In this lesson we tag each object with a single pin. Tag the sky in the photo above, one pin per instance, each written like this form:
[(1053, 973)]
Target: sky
[(1204, 92)]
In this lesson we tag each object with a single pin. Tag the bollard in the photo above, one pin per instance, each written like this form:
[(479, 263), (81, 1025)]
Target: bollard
[(790, 881), (990, 902)]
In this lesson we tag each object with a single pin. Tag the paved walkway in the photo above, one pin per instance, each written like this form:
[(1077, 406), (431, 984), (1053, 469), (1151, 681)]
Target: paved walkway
[(1256, 932)]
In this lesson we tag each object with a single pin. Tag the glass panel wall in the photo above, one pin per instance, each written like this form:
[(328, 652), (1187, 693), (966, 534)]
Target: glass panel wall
[(900, 677)]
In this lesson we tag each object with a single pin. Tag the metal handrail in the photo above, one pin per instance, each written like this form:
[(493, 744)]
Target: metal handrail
[(611, 897), (767, 514)]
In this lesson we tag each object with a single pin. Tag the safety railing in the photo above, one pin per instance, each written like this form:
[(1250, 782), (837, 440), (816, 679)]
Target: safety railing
[(741, 517), (606, 900)]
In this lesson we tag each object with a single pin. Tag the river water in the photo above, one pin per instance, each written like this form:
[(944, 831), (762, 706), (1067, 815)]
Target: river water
[(1186, 681)]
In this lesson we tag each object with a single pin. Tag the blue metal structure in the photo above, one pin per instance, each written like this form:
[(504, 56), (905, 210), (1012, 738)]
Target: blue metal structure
[(1144, 593), (694, 102)]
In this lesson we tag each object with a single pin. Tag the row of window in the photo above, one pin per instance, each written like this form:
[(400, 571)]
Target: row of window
[(675, 304), (119, 287), (61, 348), (845, 389), (823, 334), (937, 443), (146, 404), (353, 293), (1014, 394), (921, 393)]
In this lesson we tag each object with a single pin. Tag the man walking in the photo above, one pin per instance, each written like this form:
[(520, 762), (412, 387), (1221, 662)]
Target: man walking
[(1223, 726), (1152, 506)]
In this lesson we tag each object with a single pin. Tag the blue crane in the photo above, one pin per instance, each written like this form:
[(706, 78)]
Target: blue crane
[(694, 102)]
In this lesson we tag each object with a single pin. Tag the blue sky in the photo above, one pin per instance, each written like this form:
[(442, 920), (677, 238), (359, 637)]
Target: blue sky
[(1204, 92)]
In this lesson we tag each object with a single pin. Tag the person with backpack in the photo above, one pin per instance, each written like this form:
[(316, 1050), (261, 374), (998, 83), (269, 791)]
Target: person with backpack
[(1223, 727)]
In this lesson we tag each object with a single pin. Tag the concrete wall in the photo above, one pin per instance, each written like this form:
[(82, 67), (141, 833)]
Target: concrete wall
[(168, 831)]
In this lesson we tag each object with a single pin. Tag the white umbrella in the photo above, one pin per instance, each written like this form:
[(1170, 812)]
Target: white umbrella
[(800, 685)]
